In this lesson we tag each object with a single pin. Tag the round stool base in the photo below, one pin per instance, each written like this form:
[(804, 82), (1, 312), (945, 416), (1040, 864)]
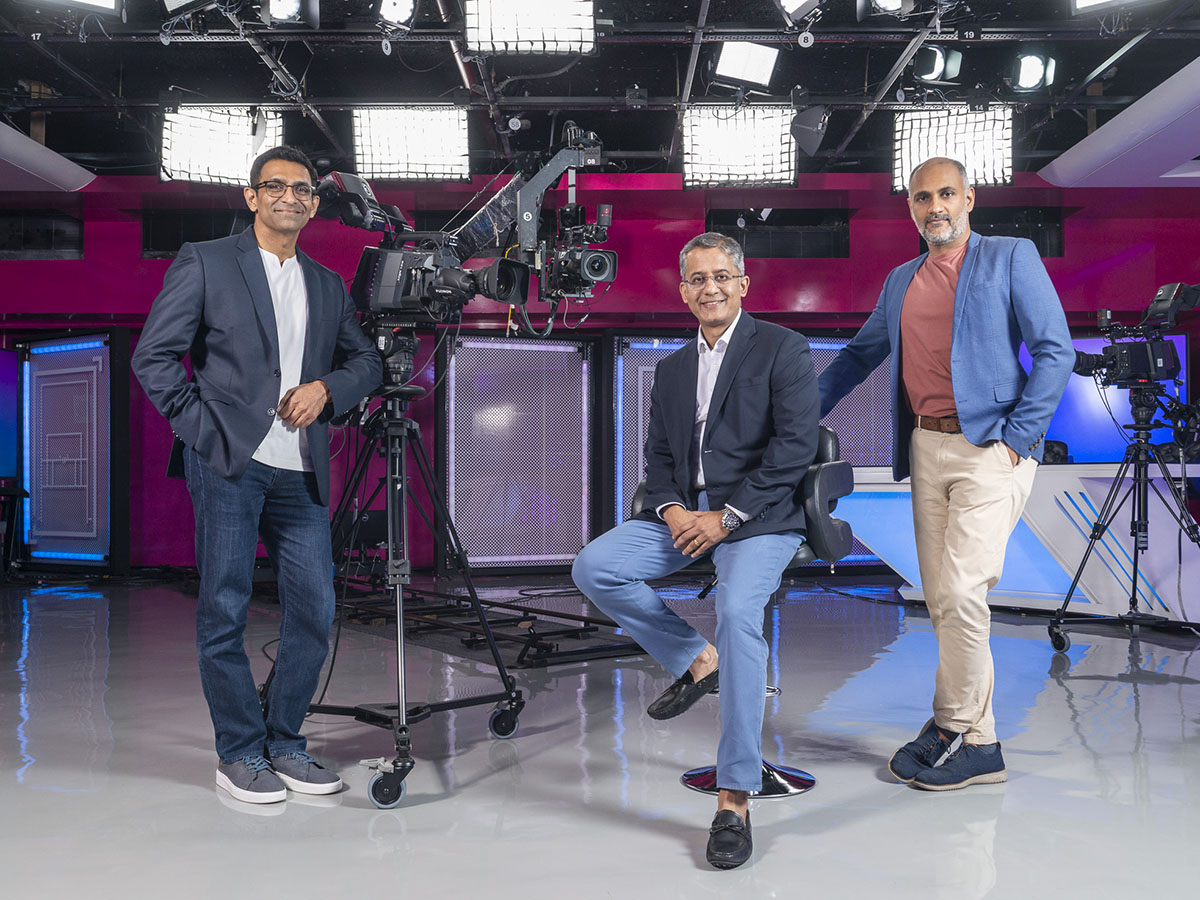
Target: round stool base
[(778, 782)]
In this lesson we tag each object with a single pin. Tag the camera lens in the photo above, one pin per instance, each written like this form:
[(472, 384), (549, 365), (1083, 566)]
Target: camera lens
[(599, 265)]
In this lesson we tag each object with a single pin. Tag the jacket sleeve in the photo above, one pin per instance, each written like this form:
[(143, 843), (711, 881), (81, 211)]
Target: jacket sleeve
[(795, 407), (858, 359), (1043, 328), (171, 327), (357, 366)]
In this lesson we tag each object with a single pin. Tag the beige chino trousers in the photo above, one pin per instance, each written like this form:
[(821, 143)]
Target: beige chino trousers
[(966, 502)]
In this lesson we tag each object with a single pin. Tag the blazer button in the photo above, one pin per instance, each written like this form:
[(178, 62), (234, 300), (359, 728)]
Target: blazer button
[(276, 373), (271, 411)]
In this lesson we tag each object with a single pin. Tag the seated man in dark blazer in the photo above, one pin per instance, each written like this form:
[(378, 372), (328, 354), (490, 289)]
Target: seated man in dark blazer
[(275, 351), (733, 429)]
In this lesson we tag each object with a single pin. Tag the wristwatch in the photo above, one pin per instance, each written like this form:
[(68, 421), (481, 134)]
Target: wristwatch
[(730, 520)]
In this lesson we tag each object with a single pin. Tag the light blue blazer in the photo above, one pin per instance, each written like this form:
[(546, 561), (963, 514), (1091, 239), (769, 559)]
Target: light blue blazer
[(1004, 298)]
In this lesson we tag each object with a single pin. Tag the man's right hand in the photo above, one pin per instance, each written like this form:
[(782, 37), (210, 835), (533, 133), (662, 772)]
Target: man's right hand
[(678, 519)]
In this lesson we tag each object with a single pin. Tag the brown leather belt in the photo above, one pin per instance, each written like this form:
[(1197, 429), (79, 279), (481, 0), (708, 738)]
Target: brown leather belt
[(947, 425)]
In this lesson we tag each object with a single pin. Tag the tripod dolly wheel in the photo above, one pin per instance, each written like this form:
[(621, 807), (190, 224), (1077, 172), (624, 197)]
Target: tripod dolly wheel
[(386, 790), (503, 723), (1058, 638)]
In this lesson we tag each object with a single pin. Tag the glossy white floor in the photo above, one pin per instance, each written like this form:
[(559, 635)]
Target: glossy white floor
[(106, 769)]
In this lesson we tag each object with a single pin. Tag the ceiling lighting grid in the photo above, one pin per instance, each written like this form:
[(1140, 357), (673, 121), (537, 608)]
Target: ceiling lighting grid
[(216, 144), (980, 139), (412, 143)]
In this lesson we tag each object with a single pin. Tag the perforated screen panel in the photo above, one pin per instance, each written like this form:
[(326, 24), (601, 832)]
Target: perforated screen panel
[(517, 449), (862, 419)]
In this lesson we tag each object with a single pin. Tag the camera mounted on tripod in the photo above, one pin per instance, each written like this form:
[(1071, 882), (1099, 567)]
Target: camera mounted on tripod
[(1140, 355)]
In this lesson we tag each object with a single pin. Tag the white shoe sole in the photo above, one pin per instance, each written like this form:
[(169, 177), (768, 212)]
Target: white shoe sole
[(245, 796), (986, 778), (307, 787)]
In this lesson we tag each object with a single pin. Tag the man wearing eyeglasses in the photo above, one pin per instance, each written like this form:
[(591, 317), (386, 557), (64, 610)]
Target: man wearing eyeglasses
[(733, 429), (275, 352)]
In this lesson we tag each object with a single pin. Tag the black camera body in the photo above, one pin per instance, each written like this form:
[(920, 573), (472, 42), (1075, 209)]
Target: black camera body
[(1131, 363)]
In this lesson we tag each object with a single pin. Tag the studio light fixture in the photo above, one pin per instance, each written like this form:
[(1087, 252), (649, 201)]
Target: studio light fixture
[(216, 144), (867, 8), (395, 12), (796, 11), (936, 64), (536, 27), (1091, 7), (412, 143), (981, 140), (1033, 71), (113, 8), (745, 63), (727, 145), (175, 8), (291, 13), (808, 129)]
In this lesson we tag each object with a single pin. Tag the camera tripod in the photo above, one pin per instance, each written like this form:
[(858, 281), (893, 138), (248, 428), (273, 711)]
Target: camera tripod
[(1143, 401), (393, 434)]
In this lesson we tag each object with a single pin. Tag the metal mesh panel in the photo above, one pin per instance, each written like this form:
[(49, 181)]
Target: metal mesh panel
[(863, 418), (518, 434)]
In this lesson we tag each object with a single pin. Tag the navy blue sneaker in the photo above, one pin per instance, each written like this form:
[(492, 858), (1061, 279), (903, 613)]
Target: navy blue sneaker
[(969, 764), (923, 753)]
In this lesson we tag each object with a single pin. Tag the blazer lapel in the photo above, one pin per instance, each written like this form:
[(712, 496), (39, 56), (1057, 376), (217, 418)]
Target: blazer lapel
[(680, 408), (250, 261), (735, 354), (964, 278), (312, 286)]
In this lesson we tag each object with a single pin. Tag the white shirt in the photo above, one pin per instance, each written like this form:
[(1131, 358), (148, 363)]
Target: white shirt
[(286, 447), (706, 380)]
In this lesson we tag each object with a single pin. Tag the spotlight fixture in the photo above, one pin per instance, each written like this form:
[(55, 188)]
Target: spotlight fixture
[(742, 62), (727, 145), (808, 129), (537, 27), (1033, 71), (395, 12), (796, 11), (936, 64), (412, 143), (982, 140), (216, 144), (291, 13), (868, 8)]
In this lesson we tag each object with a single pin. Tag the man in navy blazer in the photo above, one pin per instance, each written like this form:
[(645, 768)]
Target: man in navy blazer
[(733, 429), (275, 352), (968, 424)]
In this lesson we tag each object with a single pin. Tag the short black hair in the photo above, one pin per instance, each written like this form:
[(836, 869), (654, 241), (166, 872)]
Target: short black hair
[(288, 154)]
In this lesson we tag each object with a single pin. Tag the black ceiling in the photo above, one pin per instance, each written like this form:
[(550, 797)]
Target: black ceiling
[(99, 101)]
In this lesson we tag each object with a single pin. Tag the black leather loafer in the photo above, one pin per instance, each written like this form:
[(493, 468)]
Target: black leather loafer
[(729, 841), (680, 696)]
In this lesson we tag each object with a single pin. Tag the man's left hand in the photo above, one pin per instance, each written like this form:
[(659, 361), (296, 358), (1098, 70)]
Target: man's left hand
[(302, 404), (704, 533)]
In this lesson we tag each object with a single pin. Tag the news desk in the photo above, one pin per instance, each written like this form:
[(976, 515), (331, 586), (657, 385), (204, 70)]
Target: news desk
[(1049, 542)]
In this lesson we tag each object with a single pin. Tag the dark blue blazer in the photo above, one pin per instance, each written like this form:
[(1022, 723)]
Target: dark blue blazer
[(1004, 298), (761, 434), (215, 306)]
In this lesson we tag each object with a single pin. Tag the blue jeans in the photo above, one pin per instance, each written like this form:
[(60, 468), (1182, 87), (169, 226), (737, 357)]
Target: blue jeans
[(612, 571), (283, 507)]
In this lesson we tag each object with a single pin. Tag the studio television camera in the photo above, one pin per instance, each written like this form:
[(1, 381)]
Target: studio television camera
[(415, 278)]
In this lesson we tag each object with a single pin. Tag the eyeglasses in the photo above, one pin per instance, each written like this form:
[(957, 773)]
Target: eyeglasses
[(697, 282), (276, 189)]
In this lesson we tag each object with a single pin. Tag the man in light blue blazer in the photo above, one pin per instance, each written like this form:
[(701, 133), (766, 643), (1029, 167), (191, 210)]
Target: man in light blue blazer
[(275, 351), (968, 424)]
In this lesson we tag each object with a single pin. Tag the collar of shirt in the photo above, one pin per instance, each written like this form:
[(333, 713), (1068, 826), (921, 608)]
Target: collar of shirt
[(722, 342)]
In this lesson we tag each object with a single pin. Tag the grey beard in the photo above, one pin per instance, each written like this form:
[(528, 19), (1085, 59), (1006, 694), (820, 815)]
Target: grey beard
[(957, 227)]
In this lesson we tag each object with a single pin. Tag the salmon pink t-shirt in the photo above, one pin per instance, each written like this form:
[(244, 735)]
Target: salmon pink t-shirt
[(926, 328)]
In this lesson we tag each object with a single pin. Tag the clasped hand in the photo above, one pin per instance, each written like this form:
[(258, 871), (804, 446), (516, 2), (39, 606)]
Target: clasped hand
[(302, 404), (695, 531)]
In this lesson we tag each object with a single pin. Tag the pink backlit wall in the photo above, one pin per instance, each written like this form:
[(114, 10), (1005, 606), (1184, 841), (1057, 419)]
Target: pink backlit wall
[(1120, 245)]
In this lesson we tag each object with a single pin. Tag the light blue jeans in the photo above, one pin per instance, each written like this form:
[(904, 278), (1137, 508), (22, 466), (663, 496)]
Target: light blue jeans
[(612, 572)]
